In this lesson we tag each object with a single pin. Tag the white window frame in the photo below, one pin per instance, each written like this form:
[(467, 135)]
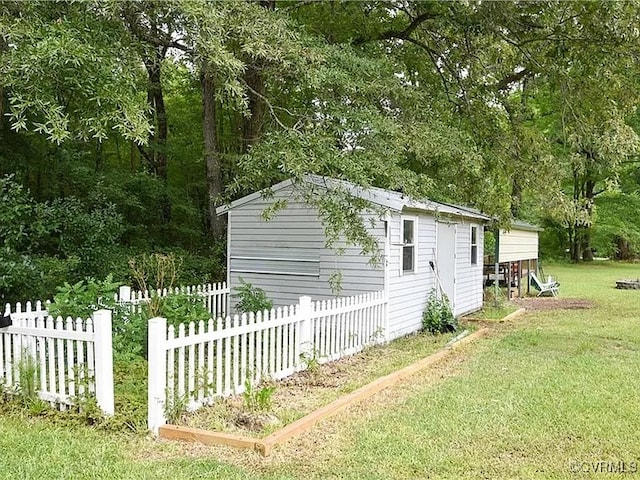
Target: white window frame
[(414, 244), (473, 245)]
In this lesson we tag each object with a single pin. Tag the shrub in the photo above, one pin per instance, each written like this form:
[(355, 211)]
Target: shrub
[(131, 328), (83, 298), (251, 299), (438, 317)]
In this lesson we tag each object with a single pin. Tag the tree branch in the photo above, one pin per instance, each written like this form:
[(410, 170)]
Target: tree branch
[(271, 107), (399, 34), (512, 78), (433, 55), (145, 154)]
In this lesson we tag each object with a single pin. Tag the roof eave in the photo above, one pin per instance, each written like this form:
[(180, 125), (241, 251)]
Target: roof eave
[(221, 210)]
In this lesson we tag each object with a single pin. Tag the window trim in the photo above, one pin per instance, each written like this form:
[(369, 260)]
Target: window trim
[(473, 246), (414, 244)]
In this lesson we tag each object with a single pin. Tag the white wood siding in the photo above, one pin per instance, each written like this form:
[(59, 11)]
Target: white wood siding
[(286, 255), (469, 277), (408, 292), (518, 245), (289, 251)]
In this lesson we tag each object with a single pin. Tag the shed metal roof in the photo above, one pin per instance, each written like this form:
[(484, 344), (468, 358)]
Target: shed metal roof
[(521, 225), (396, 201)]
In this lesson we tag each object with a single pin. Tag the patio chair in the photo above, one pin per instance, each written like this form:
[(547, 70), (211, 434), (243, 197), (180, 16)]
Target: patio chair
[(544, 287)]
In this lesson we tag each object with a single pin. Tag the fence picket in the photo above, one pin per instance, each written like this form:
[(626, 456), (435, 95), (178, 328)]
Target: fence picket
[(61, 371), (278, 351), (192, 362), (81, 366), (201, 376), (70, 360), (209, 356), (243, 351), (7, 361), (338, 327), (3, 380), (289, 337), (51, 357), (219, 349), (251, 359), (235, 355), (181, 370), (227, 363), (272, 343), (171, 366), (90, 357), (259, 344)]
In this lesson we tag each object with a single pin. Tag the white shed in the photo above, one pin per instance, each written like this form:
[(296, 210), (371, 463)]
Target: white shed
[(520, 243), (517, 250), (287, 256)]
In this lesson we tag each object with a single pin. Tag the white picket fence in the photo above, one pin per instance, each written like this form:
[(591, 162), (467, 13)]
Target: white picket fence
[(214, 295), (213, 359), (70, 358), (73, 358), (26, 310)]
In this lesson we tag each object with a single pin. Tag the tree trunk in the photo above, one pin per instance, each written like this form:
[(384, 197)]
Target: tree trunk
[(252, 125), (574, 230), (254, 78), (516, 198), (589, 195), (217, 225), (623, 250), (587, 251), (158, 139), (574, 244)]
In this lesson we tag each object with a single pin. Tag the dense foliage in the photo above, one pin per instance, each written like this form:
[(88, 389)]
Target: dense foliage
[(125, 124)]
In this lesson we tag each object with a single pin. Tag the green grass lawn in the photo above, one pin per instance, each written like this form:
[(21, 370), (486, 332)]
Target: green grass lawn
[(553, 392)]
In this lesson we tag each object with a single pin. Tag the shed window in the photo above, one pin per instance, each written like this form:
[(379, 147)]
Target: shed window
[(474, 245), (408, 246)]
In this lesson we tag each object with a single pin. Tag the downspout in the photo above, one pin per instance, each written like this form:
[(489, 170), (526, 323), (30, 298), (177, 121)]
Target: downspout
[(386, 276)]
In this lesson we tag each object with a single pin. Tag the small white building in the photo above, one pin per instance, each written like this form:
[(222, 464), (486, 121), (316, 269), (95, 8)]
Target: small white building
[(517, 250), (287, 255)]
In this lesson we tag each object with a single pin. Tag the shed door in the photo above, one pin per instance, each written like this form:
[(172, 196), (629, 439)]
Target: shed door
[(446, 258)]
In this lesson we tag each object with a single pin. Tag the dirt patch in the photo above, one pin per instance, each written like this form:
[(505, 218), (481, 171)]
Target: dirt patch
[(308, 390), (534, 304)]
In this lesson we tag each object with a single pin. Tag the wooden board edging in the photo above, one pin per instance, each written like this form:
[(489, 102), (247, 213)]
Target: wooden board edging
[(513, 315), (266, 445), (208, 437)]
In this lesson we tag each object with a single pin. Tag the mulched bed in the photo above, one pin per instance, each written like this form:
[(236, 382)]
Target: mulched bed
[(308, 390), (534, 304)]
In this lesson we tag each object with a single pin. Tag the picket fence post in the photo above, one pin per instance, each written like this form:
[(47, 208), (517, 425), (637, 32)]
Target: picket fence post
[(157, 353), (103, 350), (124, 293), (305, 342)]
